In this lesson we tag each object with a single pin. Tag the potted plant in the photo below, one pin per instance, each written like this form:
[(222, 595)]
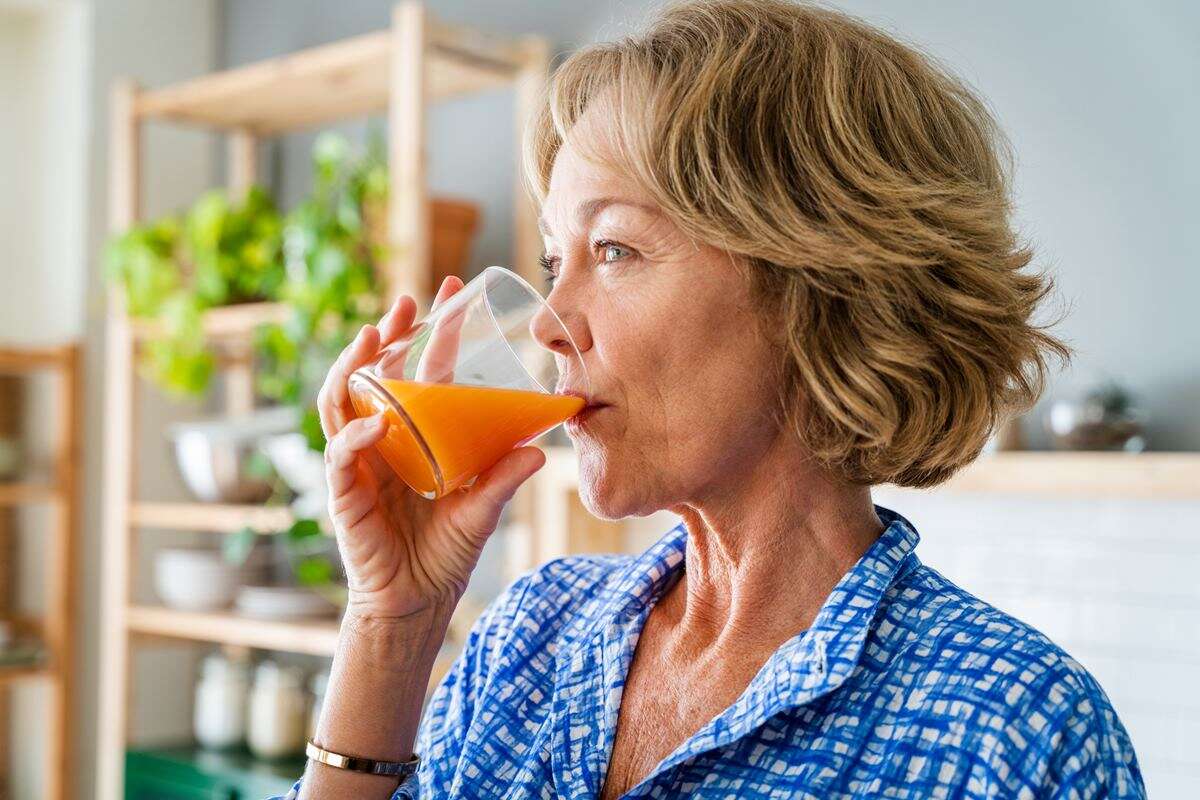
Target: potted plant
[(323, 260), (219, 252)]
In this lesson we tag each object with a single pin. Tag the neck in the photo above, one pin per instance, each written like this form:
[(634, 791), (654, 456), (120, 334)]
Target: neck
[(760, 562)]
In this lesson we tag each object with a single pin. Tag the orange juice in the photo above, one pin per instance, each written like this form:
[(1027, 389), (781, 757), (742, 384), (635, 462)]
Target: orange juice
[(452, 432)]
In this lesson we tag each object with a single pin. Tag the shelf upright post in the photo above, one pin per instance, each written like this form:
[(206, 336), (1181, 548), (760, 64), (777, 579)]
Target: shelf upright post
[(408, 200), (11, 413), (60, 583), (124, 210)]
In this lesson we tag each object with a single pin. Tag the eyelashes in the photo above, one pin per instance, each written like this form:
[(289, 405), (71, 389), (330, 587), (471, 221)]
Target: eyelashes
[(549, 264)]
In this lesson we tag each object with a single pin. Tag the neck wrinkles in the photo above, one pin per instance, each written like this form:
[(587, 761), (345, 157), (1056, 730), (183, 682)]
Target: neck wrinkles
[(763, 555)]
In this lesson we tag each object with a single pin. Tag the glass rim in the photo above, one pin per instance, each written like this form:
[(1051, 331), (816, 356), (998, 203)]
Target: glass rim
[(528, 287)]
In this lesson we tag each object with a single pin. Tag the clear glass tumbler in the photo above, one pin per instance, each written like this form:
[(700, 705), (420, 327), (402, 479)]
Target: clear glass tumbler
[(471, 382)]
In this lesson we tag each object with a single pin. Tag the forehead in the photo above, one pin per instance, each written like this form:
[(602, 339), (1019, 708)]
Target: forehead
[(587, 176)]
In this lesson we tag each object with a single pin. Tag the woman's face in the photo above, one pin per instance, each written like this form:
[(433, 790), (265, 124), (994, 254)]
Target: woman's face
[(668, 333)]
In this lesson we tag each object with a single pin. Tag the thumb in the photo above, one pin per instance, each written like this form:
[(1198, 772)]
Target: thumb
[(483, 503)]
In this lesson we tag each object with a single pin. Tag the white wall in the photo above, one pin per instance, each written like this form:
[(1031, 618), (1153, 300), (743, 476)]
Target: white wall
[(42, 150), (43, 147), (1100, 102), (57, 60)]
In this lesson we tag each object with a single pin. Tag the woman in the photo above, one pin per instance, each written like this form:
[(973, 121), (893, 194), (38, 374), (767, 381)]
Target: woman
[(781, 242)]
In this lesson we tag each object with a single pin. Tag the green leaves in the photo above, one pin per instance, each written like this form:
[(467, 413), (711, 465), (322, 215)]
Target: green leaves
[(330, 269), (142, 260), (174, 268), (236, 547), (322, 259), (310, 426), (307, 547), (314, 571), (302, 533)]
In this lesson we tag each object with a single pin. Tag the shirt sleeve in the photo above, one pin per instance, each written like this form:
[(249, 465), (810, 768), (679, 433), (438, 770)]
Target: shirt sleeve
[(448, 715), (1093, 757), (442, 736), (406, 790)]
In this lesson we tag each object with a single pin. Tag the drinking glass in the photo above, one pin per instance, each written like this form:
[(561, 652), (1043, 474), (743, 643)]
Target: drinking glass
[(470, 382)]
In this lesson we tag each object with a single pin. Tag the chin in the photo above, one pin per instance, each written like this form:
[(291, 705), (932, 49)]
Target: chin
[(608, 488)]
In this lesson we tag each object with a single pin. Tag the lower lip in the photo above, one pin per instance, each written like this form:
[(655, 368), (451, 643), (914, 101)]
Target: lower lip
[(579, 420)]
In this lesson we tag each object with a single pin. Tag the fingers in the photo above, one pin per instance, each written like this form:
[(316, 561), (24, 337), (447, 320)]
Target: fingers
[(478, 509), (450, 285), (437, 360), (333, 401), (397, 320), (342, 453)]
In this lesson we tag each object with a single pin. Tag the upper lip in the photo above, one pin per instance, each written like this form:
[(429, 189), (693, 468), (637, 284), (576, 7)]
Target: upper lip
[(589, 400)]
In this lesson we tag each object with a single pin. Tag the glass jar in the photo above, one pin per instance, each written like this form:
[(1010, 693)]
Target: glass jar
[(219, 714), (278, 706)]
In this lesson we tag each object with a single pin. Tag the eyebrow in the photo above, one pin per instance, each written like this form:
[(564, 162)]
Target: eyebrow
[(590, 208)]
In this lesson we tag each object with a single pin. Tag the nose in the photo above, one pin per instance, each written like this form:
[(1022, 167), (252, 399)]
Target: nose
[(548, 333)]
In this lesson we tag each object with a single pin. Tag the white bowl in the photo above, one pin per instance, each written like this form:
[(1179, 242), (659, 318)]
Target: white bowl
[(282, 602), (213, 454), (195, 579)]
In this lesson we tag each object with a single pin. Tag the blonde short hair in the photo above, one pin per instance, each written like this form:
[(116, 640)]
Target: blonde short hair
[(864, 189)]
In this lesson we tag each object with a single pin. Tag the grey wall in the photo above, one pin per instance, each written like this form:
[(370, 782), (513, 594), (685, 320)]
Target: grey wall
[(1098, 99)]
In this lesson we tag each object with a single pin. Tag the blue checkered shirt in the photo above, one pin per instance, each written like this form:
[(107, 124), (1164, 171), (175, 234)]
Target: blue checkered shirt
[(905, 686)]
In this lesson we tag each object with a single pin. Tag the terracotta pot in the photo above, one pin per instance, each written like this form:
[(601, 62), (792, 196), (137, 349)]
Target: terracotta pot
[(453, 224)]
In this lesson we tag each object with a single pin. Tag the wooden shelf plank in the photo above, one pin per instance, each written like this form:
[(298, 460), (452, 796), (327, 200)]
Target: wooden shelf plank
[(343, 79), (15, 494), (1159, 475), (14, 674), (223, 322), (210, 517), (335, 81), (314, 637), (25, 359)]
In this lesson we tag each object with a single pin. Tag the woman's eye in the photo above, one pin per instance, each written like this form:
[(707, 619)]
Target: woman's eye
[(608, 249), (548, 267)]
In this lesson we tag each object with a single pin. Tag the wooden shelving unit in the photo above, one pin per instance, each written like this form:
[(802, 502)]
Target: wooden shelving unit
[(55, 628), (209, 517), (1156, 475), (399, 71), (316, 638)]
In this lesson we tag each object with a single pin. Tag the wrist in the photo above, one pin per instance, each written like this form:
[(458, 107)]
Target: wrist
[(379, 607), (394, 643)]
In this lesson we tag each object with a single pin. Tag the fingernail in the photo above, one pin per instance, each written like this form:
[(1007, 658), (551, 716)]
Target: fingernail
[(375, 421)]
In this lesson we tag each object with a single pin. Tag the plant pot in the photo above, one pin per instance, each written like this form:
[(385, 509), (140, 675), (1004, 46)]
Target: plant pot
[(452, 227)]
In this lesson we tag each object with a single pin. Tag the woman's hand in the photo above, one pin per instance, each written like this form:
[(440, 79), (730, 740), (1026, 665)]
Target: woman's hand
[(403, 553)]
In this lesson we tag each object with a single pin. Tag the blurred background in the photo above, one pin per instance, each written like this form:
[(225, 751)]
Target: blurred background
[(199, 199)]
